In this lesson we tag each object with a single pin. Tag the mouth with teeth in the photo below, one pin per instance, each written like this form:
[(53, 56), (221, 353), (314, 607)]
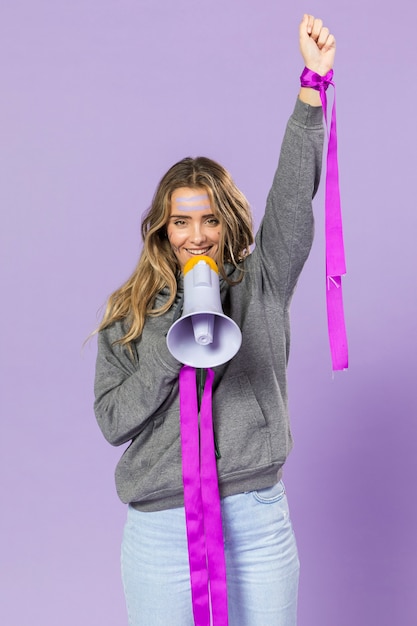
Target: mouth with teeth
[(200, 251)]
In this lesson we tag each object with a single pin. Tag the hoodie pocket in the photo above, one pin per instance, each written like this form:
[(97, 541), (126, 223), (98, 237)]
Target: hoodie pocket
[(242, 433)]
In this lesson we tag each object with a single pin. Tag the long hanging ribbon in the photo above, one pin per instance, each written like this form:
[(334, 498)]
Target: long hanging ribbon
[(335, 254), (202, 502)]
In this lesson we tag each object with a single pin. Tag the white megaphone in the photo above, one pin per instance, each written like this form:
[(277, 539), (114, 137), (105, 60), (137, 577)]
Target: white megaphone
[(204, 336)]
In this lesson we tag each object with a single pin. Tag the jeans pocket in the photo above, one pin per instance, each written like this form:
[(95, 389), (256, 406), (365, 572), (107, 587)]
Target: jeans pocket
[(269, 495)]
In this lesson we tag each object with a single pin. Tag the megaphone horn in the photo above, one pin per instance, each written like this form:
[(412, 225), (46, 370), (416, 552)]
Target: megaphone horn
[(203, 336)]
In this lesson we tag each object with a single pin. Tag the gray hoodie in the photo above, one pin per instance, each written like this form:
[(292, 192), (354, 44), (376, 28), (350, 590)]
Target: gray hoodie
[(137, 398)]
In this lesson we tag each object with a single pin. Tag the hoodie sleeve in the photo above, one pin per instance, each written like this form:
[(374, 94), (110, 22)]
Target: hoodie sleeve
[(285, 236), (128, 391)]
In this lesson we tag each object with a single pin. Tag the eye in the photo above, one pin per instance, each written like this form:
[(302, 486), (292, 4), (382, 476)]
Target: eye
[(179, 223), (213, 221)]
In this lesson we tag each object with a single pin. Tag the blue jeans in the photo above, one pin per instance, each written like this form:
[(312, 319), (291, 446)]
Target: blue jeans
[(261, 563)]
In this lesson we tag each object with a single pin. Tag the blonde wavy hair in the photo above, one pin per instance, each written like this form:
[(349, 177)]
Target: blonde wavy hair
[(158, 267)]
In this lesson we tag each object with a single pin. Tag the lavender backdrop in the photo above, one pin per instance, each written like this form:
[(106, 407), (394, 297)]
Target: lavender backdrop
[(99, 98)]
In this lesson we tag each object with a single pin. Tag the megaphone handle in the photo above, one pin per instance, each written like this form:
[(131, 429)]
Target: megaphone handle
[(201, 373), (201, 381)]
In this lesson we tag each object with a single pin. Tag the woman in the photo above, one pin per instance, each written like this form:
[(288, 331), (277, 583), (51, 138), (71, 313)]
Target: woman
[(197, 209)]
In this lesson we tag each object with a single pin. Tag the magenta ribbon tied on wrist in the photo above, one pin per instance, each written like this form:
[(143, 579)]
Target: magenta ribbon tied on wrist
[(335, 253), (202, 502)]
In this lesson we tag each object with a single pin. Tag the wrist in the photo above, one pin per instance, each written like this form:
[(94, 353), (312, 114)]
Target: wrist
[(313, 80), (313, 86), (310, 96), (321, 70)]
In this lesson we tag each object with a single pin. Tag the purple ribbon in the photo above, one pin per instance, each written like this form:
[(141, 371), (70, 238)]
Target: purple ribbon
[(202, 502), (335, 254)]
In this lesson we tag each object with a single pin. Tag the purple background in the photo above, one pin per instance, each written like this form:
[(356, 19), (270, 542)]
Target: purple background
[(99, 98)]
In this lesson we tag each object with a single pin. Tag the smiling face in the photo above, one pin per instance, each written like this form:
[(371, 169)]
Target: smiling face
[(193, 228)]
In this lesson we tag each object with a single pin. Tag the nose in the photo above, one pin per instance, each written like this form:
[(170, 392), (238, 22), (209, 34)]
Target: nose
[(198, 235)]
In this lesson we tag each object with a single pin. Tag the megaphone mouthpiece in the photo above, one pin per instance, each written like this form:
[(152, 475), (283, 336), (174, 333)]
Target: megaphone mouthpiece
[(203, 324)]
